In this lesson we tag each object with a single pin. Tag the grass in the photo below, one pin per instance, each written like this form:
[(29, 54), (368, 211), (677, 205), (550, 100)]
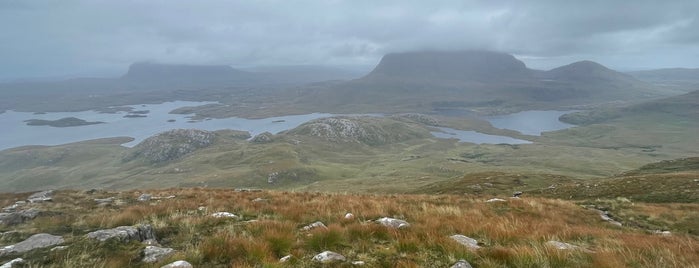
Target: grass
[(512, 234)]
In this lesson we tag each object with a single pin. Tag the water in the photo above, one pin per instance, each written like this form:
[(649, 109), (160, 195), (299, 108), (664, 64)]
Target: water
[(475, 137), (530, 122), (16, 133)]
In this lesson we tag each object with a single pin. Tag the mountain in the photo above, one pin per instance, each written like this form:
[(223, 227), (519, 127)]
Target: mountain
[(186, 75), (481, 66), (486, 81)]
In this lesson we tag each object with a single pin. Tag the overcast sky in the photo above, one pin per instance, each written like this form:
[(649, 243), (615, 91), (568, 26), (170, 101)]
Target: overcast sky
[(92, 37)]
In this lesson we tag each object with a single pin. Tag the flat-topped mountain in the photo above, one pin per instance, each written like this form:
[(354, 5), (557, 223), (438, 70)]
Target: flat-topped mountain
[(457, 65), (144, 71)]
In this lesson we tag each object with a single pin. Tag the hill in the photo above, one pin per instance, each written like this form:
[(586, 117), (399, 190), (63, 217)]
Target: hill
[(680, 79), (252, 228)]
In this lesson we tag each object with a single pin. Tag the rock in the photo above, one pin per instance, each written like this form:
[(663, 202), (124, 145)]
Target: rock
[(144, 197), (349, 216), (258, 200), (155, 254), (264, 137), (604, 215), (285, 258), (495, 200), (39, 197), (314, 225), (13, 263), (14, 218), (179, 264), (104, 201), (59, 248), (224, 215), (124, 233), (466, 241), (393, 223), (561, 245), (329, 257), (517, 194), (358, 263), (171, 145), (150, 242), (663, 233), (33, 242), (462, 264), (248, 190)]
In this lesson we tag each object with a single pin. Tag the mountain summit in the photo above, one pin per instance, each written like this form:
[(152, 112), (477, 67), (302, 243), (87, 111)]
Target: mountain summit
[(450, 65)]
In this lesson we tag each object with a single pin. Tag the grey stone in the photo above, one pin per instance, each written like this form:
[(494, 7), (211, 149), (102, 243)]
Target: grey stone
[(495, 200), (393, 223), (14, 218), (349, 216), (178, 264), (466, 241), (329, 257), (314, 225), (155, 254), (104, 201), (285, 258), (33, 242), (462, 264), (39, 197), (125, 233), (224, 215), (264, 137), (144, 197), (13, 263)]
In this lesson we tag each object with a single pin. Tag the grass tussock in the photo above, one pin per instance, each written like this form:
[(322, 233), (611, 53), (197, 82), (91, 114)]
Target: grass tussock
[(511, 234)]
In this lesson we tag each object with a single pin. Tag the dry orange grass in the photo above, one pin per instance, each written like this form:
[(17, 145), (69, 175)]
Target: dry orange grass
[(512, 233)]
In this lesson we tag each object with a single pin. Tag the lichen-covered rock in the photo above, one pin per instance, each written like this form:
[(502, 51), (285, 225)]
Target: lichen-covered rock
[(171, 145), (224, 214), (179, 264), (329, 257), (125, 233), (393, 223), (155, 254), (466, 241), (33, 242), (264, 137), (13, 263)]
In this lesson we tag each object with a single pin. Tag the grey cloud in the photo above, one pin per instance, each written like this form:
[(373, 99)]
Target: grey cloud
[(79, 36)]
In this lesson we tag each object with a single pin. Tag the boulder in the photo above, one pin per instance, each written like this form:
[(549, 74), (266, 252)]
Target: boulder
[(33, 242), (349, 216), (495, 200), (19, 217), (144, 198), (179, 264), (224, 215), (329, 257), (314, 225), (13, 263), (155, 254), (462, 264), (124, 233), (393, 223), (285, 258), (466, 241), (104, 201), (39, 197)]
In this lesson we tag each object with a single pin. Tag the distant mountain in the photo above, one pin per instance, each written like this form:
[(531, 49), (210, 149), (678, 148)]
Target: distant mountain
[(491, 82), (153, 73), (481, 66)]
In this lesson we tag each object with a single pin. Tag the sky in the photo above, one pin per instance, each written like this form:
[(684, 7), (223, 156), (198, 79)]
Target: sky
[(67, 38)]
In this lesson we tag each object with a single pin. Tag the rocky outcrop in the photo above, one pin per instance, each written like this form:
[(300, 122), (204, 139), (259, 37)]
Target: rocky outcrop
[(33, 242), (155, 254), (264, 137), (42, 196), (329, 257), (144, 197), (224, 215), (367, 130), (125, 233), (171, 145), (13, 263), (466, 241), (18, 217), (393, 223), (314, 225)]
